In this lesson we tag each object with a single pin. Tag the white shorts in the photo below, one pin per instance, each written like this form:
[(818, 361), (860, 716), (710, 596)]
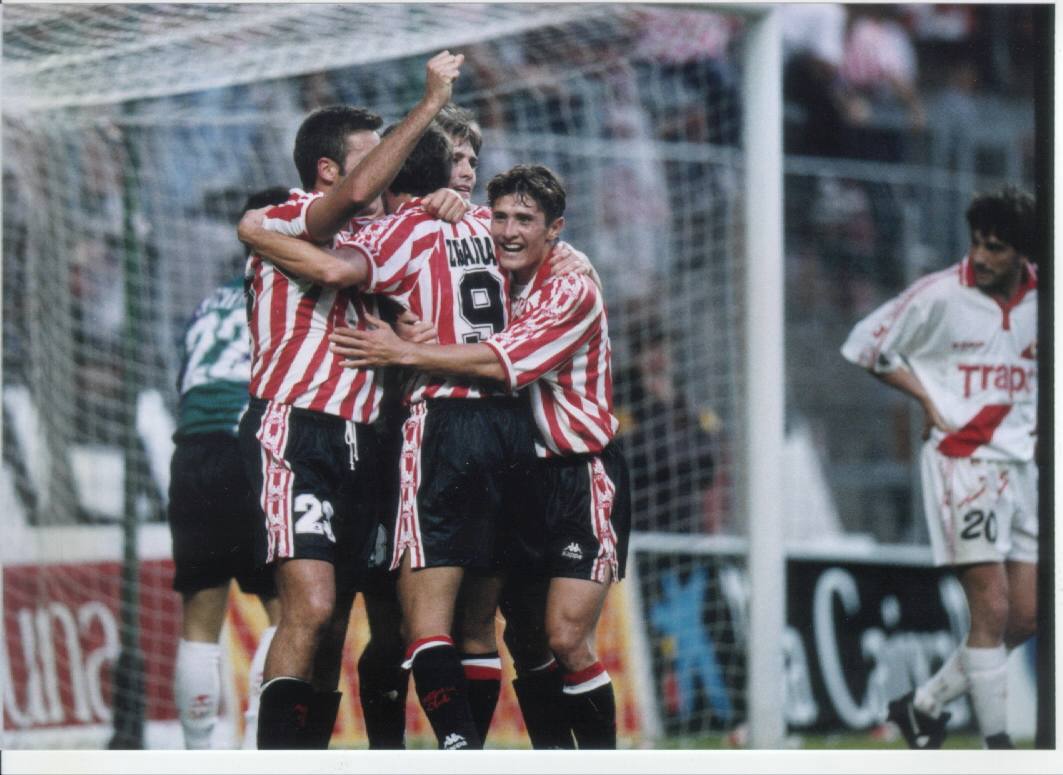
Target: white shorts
[(979, 510)]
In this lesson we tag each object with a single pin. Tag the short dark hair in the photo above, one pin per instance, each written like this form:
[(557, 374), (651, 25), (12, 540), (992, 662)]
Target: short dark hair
[(324, 134), (460, 124), (427, 168), (534, 181), (1009, 214), (274, 195)]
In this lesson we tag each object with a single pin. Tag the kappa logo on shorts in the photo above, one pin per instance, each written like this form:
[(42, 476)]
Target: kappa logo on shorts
[(453, 741), (572, 551)]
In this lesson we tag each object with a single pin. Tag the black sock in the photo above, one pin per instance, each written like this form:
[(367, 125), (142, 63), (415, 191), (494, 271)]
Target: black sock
[(284, 714), (440, 683), (591, 707), (1001, 740), (324, 708), (541, 703), (483, 676), (382, 685)]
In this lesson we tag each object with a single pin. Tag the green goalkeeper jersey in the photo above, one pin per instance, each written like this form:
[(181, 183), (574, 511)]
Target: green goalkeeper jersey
[(215, 364)]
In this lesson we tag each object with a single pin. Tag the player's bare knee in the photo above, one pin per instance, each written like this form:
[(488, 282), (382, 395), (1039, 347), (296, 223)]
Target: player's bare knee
[(313, 612), (569, 644), (989, 616), (1021, 627)]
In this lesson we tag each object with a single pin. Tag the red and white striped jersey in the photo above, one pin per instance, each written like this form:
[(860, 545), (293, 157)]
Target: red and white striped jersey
[(290, 319), (558, 347), (443, 273), (976, 358)]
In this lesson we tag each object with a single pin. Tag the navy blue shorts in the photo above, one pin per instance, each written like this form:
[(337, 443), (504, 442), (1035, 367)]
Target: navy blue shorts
[(213, 517), (315, 477), (466, 468), (584, 526)]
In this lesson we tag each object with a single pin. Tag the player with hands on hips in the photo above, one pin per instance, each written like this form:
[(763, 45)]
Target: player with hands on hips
[(963, 343)]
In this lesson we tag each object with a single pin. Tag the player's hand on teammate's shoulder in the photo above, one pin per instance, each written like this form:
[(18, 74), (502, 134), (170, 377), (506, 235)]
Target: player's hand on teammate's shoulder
[(446, 204), (411, 328), (442, 70), (565, 259)]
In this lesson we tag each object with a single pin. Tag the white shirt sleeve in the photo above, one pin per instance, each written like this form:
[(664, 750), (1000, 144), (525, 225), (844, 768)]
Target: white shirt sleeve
[(892, 334)]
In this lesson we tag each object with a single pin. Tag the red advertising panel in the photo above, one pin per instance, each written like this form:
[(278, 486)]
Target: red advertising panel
[(62, 637)]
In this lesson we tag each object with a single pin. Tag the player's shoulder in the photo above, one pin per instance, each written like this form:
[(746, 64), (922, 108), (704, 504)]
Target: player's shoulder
[(571, 288), (479, 213), (408, 215), (229, 295), (937, 286), (348, 236), (294, 206)]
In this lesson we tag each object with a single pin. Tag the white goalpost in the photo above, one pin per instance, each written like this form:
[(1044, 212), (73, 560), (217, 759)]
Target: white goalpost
[(764, 394)]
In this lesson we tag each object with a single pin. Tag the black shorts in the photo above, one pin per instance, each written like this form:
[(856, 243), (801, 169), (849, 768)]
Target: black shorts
[(316, 484), (583, 529), (467, 467), (213, 517)]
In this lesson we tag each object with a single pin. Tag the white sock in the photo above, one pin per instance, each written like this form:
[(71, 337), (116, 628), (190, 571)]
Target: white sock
[(948, 683), (987, 670), (197, 690), (254, 688)]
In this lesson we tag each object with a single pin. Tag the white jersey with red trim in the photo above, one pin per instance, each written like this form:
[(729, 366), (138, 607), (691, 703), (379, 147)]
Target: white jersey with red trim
[(976, 357), (445, 274), (558, 347), (290, 319)]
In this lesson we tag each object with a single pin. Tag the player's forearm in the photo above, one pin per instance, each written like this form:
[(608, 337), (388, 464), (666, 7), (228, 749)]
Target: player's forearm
[(370, 177), (905, 381), (456, 360), (301, 258)]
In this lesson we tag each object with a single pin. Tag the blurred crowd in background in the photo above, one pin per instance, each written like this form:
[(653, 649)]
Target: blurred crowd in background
[(893, 115)]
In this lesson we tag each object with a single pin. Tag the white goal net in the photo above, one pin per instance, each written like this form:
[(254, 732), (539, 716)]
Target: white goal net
[(131, 136)]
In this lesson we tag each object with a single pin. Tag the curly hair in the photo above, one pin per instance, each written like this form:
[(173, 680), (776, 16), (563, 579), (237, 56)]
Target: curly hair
[(1009, 214)]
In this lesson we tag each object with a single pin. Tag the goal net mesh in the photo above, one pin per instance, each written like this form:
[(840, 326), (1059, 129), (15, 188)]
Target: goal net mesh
[(133, 133)]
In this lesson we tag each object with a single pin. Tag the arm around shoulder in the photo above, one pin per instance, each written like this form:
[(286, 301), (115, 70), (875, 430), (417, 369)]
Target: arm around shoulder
[(336, 268)]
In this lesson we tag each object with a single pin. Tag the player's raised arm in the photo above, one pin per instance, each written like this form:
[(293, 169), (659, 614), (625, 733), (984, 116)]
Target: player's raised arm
[(382, 347), (361, 185), (335, 268)]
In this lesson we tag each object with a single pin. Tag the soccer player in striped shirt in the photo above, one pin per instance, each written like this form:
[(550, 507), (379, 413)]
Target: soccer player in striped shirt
[(382, 683), (557, 347), (464, 462), (450, 278), (308, 447), (963, 343)]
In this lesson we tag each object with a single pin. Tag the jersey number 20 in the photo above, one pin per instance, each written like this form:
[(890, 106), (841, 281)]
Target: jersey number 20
[(977, 523)]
